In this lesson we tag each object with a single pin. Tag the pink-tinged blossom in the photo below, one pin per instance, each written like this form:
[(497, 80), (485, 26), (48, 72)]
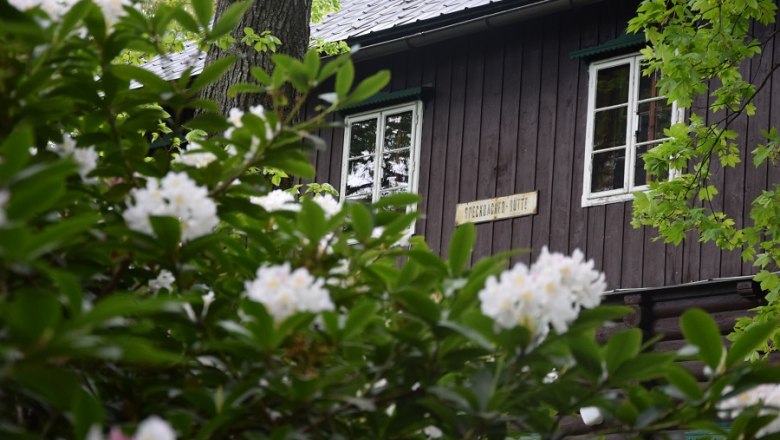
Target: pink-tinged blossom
[(175, 195), (284, 292)]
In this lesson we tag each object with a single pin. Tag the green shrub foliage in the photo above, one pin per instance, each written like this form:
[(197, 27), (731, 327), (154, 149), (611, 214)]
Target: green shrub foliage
[(162, 291)]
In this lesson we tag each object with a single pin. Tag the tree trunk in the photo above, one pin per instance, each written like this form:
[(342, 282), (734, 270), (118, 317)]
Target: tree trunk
[(288, 20)]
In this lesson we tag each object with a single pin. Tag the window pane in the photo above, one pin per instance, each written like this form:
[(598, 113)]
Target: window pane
[(648, 86), (608, 169), (640, 175), (360, 177), (395, 170), (610, 128), (654, 116), (612, 86), (398, 131), (362, 138)]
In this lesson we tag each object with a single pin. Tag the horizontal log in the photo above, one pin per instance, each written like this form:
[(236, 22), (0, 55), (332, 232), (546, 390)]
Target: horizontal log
[(604, 333), (670, 327), (720, 303), (676, 344)]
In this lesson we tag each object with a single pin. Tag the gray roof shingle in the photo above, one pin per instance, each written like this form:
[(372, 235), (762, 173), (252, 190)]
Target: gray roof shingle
[(356, 18)]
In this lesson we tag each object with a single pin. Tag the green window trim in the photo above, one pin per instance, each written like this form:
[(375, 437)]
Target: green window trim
[(623, 43), (384, 99)]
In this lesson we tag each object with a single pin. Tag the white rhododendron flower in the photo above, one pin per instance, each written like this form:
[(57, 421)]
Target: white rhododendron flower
[(196, 157), (270, 132), (548, 294), (284, 292), (55, 9), (85, 158), (5, 195), (175, 195), (164, 280), (154, 428), (112, 10), (329, 205), (432, 431), (234, 117), (276, 200), (767, 395), (591, 415)]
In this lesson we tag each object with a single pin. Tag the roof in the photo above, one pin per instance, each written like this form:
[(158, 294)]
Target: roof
[(356, 19)]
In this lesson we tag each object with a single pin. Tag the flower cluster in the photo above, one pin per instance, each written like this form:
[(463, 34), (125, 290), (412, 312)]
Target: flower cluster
[(279, 200), (235, 118), (196, 156), (284, 292), (85, 158), (175, 195), (767, 396), (112, 10), (152, 428), (164, 280), (548, 294)]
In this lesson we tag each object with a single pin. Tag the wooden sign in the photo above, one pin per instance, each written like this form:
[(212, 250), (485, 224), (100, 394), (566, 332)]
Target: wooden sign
[(516, 205)]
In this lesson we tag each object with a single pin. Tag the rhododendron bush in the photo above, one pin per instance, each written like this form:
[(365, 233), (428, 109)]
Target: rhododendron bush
[(176, 293)]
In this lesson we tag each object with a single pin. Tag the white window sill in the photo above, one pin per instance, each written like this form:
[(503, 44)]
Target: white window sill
[(595, 200)]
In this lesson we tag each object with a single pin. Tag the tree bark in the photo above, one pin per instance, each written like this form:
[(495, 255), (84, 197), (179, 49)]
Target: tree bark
[(288, 20)]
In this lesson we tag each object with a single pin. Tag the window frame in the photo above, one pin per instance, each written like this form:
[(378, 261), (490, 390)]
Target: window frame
[(625, 193), (414, 149)]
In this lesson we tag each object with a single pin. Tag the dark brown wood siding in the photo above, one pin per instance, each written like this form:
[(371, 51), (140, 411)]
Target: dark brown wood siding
[(507, 115)]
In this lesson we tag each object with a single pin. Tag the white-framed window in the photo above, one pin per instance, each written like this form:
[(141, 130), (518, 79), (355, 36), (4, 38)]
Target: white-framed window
[(626, 118), (381, 152)]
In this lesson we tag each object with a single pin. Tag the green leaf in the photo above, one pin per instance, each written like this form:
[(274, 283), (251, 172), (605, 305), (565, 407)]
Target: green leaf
[(621, 347), (361, 221), (418, 303), (87, 411), (122, 304), (149, 80), (398, 199), (587, 354), (368, 87), (185, 20), (344, 78), (204, 10), (749, 340), (429, 260), (15, 151), (53, 236), (208, 122), (213, 71), (229, 19), (311, 221), (40, 191), (167, 230), (359, 317), (701, 330), (461, 246), (684, 381), (312, 63), (34, 315)]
